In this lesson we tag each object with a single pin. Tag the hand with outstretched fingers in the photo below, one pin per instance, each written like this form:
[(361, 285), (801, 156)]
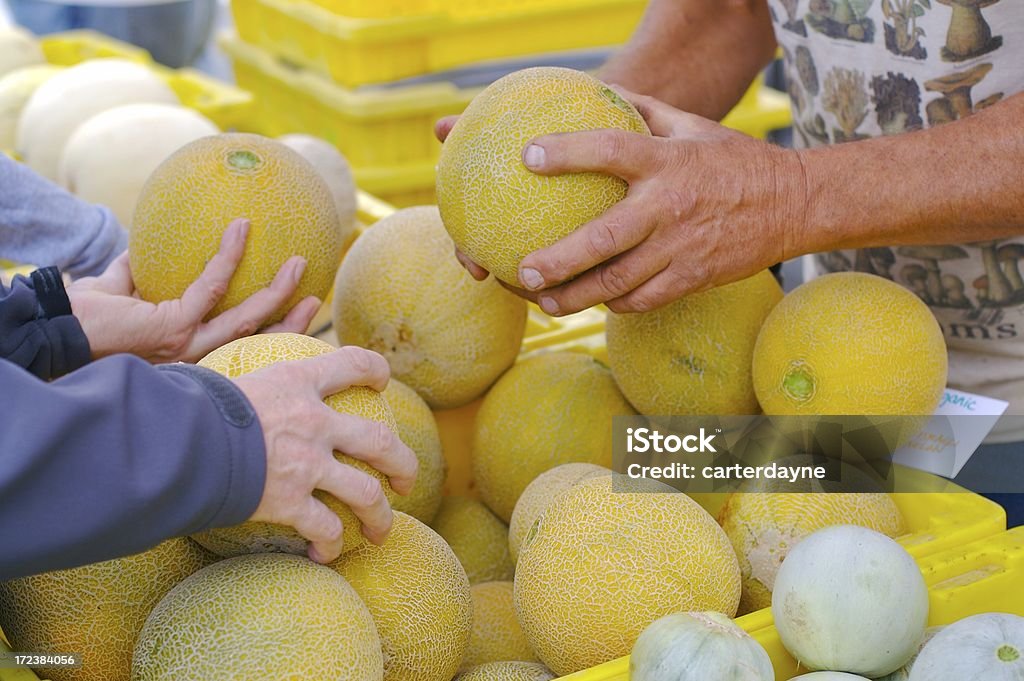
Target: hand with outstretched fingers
[(706, 206), (302, 433), (116, 320)]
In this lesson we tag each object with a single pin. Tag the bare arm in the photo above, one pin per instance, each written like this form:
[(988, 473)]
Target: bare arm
[(697, 55)]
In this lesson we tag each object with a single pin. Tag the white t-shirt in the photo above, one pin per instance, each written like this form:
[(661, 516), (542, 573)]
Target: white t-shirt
[(866, 68)]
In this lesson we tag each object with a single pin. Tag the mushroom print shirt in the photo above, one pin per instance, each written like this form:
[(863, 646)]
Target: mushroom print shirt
[(864, 68)]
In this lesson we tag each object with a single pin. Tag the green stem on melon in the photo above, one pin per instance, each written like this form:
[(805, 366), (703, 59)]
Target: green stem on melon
[(616, 99), (1008, 653), (244, 160), (798, 384)]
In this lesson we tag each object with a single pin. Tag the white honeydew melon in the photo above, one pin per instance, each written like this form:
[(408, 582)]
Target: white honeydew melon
[(829, 676), (18, 48), (698, 646), (988, 646), (109, 157), (16, 87), (75, 95), (850, 599), (334, 168)]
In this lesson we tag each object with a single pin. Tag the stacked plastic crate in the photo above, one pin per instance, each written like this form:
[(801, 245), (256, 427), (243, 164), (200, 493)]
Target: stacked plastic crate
[(372, 76)]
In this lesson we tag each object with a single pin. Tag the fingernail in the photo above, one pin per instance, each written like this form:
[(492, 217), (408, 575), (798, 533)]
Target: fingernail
[(531, 278), (314, 555), (534, 156), (298, 269), (549, 305), (243, 230)]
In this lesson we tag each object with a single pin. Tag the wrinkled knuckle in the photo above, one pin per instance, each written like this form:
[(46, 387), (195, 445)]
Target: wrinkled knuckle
[(611, 145), (601, 242), (613, 280), (358, 358), (381, 438), (371, 494), (247, 327)]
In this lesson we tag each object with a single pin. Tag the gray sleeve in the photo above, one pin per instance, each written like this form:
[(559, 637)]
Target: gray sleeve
[(118, 456), (42, 224)]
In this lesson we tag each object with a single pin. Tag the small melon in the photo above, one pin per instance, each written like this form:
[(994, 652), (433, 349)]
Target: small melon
[(417, 428), (495, 209), (850, 343), (547, 410), (95, 610), (477, 537), (764, 526), (16, 88), (336, 173), (419, 597), (507, 671), (109, 157), (18, 49), (604, 562), (496, 635), (255, 352), (190, 199), (539, 494), (401, 292), (73, 96), (693, 355), (263, 616)]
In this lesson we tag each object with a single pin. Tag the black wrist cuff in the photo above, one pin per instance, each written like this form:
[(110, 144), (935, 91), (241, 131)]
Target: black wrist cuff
[(50, 293)]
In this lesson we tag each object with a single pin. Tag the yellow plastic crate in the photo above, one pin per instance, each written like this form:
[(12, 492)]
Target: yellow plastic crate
[(358, 51), (387, 134), (984, 576), (389, 9), (228, 106)]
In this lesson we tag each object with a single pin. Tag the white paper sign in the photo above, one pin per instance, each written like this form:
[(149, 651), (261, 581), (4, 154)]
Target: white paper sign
[(945, 445)]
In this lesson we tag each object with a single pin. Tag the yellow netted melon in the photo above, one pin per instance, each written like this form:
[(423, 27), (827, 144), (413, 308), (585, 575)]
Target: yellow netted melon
[(763, 526), (400, 291), (255, 352), (267, 616), (418, 595), (545, 411), (478, 538), (600, 565), (95, 610), (850, 343), (507, 671), (693, 356), (190, 199), (495, 209), (539, 494), (417, 428), (497, 636)]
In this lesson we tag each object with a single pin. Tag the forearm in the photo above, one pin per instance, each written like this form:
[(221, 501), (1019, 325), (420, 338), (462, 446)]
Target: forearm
[(42, 224), (697, 55), (955, 183), (117, 457)]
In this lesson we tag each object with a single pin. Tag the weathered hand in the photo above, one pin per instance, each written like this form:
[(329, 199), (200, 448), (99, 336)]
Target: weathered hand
[(301, 435), (116, 320)]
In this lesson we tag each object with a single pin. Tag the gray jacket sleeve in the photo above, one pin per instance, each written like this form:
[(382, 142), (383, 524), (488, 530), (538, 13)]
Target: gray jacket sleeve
[(42, 224), (118, 456)]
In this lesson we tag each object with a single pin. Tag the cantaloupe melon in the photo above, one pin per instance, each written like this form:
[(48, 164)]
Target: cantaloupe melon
[(507, 671), (693, 355), (600, 565), (401, 292), (545, 411), (418, 595), (418, 430), (764, 525), (539, 494), (18, 49), (73, 96), (190, 199), (497, 636), (478, 538), (255, 352), (850, 343), (260, 617), (109, 157), (495, 209), (16, 88), (336, 173), (95, 610)]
